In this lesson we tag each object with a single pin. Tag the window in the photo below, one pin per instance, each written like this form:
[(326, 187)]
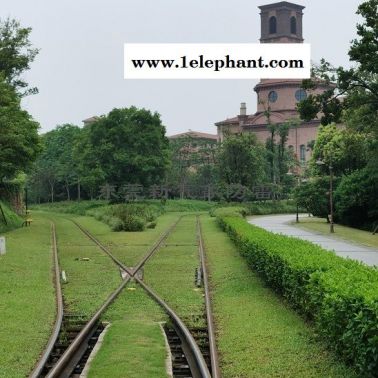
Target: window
[(293, 25), (300, 95), (272, 25), (302, 152), (273, 96)]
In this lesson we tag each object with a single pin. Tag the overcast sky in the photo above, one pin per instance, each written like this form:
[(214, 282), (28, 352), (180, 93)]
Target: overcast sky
[(79, 70)]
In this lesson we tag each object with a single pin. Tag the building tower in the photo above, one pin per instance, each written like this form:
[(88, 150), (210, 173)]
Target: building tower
[(281, 23)]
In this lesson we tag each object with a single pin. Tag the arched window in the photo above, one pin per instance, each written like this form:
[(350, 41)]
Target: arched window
[(272, 25), (293, 25)]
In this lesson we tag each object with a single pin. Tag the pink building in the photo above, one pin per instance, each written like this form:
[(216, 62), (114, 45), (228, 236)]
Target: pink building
[(280, 23)]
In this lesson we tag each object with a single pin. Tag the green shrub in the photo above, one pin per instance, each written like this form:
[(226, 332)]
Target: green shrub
[(236, 211), (115, 224), (339, 295), (151, 225), (134, 223), (12, 219)]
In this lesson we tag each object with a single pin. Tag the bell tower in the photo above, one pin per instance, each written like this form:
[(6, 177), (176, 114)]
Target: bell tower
[(281, 23)]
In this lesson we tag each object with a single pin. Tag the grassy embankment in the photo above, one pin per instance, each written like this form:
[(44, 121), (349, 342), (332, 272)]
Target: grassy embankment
[(343, 232), (12, 220), (258, 335), (27, 298)]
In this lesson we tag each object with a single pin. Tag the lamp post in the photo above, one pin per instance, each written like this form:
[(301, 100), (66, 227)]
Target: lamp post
[(321, 162), (297, 207)]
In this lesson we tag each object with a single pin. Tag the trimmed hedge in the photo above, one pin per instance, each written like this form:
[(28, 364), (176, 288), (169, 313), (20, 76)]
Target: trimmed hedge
[(339, 295)]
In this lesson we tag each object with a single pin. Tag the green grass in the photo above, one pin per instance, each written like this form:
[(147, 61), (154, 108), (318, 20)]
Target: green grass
[(134, 342), (89, 283), (171, 273), (12, 219), (72, 207), (128, 247), (258, 335), (27, 298), (342, 232)]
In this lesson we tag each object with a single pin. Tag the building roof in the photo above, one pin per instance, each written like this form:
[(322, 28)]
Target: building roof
[(195, 134), (90, 119), (281, 4), (228, 121)]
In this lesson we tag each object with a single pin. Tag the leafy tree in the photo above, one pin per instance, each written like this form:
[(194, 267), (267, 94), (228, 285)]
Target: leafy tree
[(356, 200), (313, 195), (130, 146), (90, 176), (240, 160), (192, 163), (64, 140), (343, 148), (16, 53), (19, 142), (359, 84)]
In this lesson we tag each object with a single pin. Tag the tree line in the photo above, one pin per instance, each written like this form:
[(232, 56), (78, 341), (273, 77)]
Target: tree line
[(349, 153), (19, 140)]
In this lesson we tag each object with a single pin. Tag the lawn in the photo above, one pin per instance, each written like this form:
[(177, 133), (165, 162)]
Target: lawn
[(342, 232), (91, 275), (134, 345), (258, 335), (128, 247), (171, 273), (27, 298)]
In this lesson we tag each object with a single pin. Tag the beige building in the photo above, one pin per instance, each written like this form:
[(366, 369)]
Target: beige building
[(280, 23)]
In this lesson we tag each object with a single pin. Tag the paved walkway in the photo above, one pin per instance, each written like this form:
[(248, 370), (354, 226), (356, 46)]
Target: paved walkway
[(279, 224)]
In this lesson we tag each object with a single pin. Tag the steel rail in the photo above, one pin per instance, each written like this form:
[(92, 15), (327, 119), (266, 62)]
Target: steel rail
[(215, 370), (197, 364), (62, 368), (192, 352), (59, 307)]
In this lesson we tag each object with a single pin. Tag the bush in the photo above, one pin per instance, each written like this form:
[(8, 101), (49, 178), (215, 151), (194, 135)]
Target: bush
[(133, 223), (339, 295), (12, 219), (231, 211), (356, 201)]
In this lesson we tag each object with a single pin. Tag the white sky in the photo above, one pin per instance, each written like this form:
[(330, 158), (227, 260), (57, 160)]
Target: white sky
[(79, 71)]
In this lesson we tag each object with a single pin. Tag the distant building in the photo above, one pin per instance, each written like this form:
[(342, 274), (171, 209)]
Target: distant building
[(196, 135), (90, 120), (194, 148), (280, 23)]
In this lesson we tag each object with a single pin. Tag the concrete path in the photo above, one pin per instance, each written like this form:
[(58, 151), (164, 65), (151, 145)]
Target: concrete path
[(279, 224)]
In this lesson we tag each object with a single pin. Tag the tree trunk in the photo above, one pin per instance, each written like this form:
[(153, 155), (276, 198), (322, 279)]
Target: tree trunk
[(78, 191), (68, 191), (52, 192)]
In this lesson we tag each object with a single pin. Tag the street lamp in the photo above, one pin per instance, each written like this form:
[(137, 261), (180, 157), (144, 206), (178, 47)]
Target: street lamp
[(320, 163), (297, 213)]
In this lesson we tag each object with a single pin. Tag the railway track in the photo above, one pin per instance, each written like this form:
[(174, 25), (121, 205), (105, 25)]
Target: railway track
[(215, 370), (65, 365)]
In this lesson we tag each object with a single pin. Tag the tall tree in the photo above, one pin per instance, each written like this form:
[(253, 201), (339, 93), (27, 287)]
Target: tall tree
[(19, 142), (131, 146), (240, 160), (16, 54)]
